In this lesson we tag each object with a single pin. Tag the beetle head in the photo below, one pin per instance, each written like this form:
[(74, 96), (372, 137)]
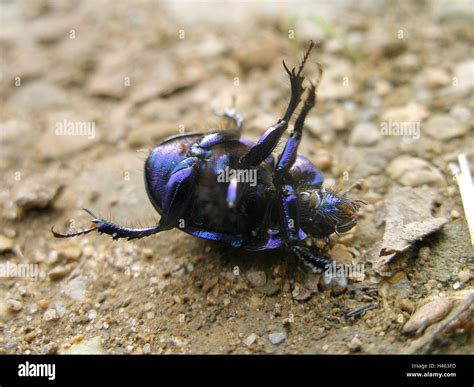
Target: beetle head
[(324, 212)]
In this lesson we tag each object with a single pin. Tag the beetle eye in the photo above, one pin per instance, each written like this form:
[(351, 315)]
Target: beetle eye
[(313, 198), (305, 196)]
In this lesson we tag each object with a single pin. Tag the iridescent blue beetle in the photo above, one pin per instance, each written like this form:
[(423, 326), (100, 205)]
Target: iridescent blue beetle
[(224, 188)]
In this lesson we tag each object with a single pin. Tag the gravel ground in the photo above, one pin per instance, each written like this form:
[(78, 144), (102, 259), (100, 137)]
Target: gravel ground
[(124, 75)]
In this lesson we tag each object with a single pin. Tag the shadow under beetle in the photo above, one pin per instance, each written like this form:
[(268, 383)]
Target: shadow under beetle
[(286, 203)]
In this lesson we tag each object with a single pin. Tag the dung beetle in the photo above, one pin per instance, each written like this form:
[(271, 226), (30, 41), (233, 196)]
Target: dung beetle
[(225, 188)]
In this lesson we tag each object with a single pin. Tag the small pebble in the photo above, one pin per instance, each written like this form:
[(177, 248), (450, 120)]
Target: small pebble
[(269, 289), (59, 272), (465, 275), (210, 283), (311, 282), (444, 127), (89, 251), (463, 75), (147, 253), (413, 172), (277, 337), (87, 347), (34, 196), (407, 305), (6, 244), (72, 252), (436, 77), (250, 339), (189, 267), (91, 315), (355, 345), (455, 214), (257, 278), (53, 257), (412, 112), (76, 288), (43, 303), (50, 349), (365, 134), (77, 339), (400, 318), (150, 315), (337, 285), (299, 293), (323, 161), (14, 305), (50, 315), (340, 254), (459, 112)]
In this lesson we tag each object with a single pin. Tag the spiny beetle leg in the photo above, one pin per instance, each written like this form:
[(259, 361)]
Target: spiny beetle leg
[(178, 192), (290, 152), (296, 84), (289, 214), (267, 143), (310, 260), (114, 230)]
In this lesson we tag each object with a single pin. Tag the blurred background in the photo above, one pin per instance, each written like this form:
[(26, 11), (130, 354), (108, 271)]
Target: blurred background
[(87, 88)]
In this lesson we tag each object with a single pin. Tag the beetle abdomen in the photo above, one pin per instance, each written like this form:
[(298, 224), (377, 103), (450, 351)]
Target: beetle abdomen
[(209, 209)]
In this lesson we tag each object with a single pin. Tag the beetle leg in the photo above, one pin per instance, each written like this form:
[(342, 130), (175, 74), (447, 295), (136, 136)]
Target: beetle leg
[(272, 240), (116, 231), (178, 192), (266, 236), (265, 145), (289, 215), (290, 227), (310, 260), (214, 139), (290, 152), (296, 83), (234, 240), (269, 140), (175, 203)]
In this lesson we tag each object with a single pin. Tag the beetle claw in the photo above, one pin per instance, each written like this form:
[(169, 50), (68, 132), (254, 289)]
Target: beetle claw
[(95, 218), (93, 227), (70, 235)]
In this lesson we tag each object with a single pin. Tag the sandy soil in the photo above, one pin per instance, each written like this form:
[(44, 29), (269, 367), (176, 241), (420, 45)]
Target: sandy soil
[(127, 75)]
